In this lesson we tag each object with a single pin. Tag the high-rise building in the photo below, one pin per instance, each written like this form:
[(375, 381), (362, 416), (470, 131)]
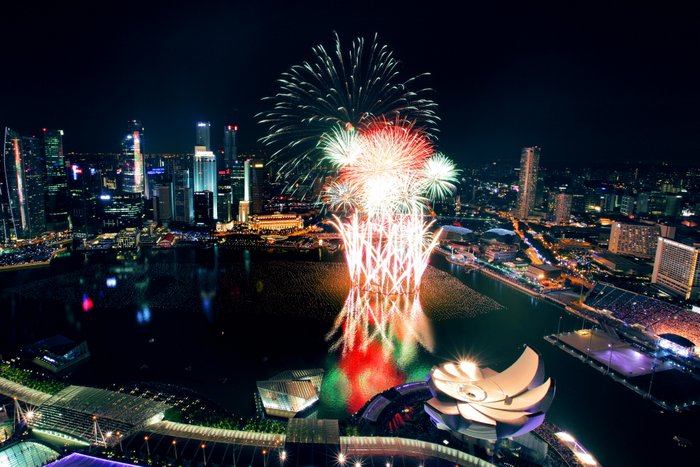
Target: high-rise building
[(132, 165), (627, 205), (166, 202), (205, 174), (225, 197), (83, 188), (257, 181), (22, 173), (527, 182), (56, 177), (562, 208), (204, 206), (230, 149), (237, 185), (117, 210), (633, 239), (183, 197), (203, 135), (673, 205), (677, 268), (35, 177)]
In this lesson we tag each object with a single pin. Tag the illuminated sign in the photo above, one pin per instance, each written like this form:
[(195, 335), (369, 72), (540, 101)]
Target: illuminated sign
[(105, 197), (156, 171)]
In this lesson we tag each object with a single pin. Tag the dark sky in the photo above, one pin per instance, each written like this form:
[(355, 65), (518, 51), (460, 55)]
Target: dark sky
[(584, 81)]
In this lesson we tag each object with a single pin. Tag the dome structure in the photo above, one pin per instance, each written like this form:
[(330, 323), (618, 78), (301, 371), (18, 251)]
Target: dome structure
[(500, 232), (484, 404)]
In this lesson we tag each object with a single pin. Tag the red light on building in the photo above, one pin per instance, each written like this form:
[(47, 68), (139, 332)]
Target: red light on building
[(43, 129), (235, 128)]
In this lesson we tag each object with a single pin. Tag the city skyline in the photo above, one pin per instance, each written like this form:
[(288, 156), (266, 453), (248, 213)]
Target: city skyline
[(601, 85)]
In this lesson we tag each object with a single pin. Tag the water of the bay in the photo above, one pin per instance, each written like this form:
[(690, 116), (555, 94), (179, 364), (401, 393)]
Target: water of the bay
[(219, 342)]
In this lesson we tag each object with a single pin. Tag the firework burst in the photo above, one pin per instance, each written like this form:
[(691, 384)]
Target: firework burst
[(343, 89), (385, 172)]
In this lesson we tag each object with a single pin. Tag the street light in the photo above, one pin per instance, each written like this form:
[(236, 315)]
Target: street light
[(609, 358), (204, 456), (175, 448), (148, 448)]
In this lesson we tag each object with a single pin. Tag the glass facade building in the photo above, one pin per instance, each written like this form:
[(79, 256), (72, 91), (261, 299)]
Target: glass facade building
[(22, 212), (205, 174), (132, 164), (56, 177)]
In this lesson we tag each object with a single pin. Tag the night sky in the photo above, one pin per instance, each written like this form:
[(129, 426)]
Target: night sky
[(587, 83)]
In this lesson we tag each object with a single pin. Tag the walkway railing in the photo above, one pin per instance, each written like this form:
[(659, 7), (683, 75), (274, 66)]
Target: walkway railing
[(220, 435), (23, 393), (379, 445)]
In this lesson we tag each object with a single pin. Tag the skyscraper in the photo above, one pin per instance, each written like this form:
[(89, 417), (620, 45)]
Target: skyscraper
[(83, 189), (205, 174), (677, 268), (132, 158), (203, 135), (562, 208), (22, 213), (225, 199), (204, 206), (35, 179), (56, 177), (230, 149), (184, 200), (527, 183)]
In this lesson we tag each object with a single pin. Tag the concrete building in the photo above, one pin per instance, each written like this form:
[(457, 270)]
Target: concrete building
[(676, 268), (633, 239), (276, 221), (562, 208)]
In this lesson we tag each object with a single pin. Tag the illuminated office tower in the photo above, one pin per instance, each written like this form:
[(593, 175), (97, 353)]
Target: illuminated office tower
[(83, 191), (237, 174), (633, 239), (227, 205), (22, 207), (230, 149), (183, 197), (203, 135), (132, 158), (256, 181), (527, 183), (205, 174), (677, 268), (562, 208), (56, 177), (244, 204), (165, 202), (35, 177), (204, 206)]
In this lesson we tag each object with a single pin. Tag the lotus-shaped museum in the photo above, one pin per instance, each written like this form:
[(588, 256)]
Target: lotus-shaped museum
[(484, 404)]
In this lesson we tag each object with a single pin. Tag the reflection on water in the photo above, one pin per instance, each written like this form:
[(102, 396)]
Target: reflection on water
[(379, 338)]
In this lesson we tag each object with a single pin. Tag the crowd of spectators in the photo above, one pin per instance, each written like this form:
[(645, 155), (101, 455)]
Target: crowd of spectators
[(655, 315)]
